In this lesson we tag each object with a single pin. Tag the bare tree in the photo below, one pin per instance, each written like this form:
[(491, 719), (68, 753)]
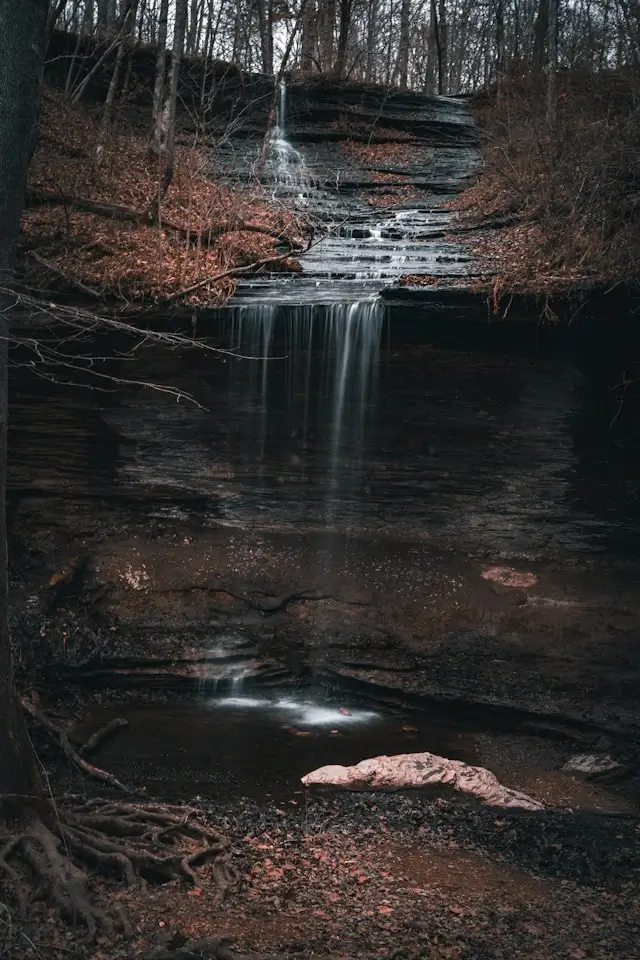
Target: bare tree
[(264, 9), (22, 34), (552, 66), (107, 113), (500, 54), (309, 41), (373, 11), (343, 38), (155, 144), (540, 34), (168, 121), (326, 33)]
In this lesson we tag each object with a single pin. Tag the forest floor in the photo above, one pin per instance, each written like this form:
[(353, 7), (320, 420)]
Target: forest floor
[(563, 200), (85, 231), (553, 210), (399, 877)]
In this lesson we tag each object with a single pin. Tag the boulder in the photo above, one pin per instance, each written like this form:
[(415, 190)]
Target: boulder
[(407, 770)]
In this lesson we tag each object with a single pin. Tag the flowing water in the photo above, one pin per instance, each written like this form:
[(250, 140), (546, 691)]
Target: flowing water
[(333, 441), (325, 357), (285, 164)]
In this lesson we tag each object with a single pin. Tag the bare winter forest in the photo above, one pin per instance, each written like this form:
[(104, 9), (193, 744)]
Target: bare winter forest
[(554, 87)]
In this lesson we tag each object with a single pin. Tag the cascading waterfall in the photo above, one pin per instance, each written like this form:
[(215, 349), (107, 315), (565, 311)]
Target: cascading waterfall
[(312, 375), (284, 162)]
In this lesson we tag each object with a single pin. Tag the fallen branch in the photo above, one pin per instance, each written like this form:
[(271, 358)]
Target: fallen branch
[(62, 739), (232, 272), (205, 235), (100, 735), (233, 226), (37, 197), (409, 770), (58, 272)]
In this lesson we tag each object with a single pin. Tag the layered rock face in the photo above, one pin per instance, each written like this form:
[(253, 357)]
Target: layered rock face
[(338, 504)]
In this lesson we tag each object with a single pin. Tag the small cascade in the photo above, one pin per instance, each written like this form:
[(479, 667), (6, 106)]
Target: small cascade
[(286, 164), (228, 664)]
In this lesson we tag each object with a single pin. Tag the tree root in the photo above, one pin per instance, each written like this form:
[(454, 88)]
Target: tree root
[(209, 948), (57, 877), (97, 738), (62, 739), (137, 842), (147, 840)]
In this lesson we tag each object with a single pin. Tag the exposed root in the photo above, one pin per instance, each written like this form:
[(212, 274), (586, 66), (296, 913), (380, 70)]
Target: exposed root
[(8, 870), (136, 842), (209, 948), (146, 840), (56, 877), (65, 882), (99, 736)]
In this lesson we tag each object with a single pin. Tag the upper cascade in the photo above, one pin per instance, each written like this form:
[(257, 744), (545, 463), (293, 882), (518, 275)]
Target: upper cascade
[(286, 164), (372, 174)]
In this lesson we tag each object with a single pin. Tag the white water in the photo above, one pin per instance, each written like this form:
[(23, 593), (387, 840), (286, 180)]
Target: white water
[(284, 162), (303, 713), (304, 379), (222, 669), (334, 406)]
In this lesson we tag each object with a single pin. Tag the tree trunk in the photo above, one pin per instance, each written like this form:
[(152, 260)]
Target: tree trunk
[(168, 119), (442, 32), (432, 50), (265, 29), (541, 30), (22, 34), (89, 15), (309, 40), (55, 10), (499, 41), (103, 15), (326, 28), (80, 89), (552, 67), (403, 50), (107, 113), (372, 28), (155, 144), (343, 38)]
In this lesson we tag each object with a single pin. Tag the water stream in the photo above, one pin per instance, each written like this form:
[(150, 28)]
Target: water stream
[(285, 164), (338, 340)]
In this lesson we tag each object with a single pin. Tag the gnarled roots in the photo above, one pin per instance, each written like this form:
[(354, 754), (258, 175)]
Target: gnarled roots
[(136, 841)]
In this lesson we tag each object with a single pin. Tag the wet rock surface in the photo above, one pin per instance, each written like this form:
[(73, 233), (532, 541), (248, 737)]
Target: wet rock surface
[(371, 169), (183, 534)]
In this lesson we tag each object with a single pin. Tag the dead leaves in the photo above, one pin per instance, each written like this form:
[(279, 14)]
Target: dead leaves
[(135, 262), (384, 154)]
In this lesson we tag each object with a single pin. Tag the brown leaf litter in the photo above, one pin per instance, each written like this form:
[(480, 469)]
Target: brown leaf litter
[(134, 261)]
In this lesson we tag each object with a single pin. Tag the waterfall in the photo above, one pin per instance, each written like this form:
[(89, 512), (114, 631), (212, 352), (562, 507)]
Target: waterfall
[(285, 164), (282, 106), (310, 386)]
